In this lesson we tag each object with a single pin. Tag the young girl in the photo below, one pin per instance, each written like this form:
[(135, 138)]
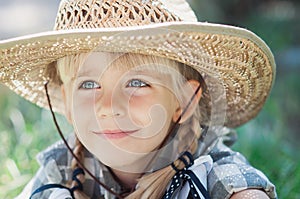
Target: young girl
[(151, 95)]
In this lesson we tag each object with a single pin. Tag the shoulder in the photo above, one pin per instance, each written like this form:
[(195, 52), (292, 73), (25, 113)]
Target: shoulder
[(58, 152), (55, 161), (231, 172), (53, 169), (250, 193)]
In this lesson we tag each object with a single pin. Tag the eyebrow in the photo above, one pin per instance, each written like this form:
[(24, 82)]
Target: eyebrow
[(152, 73), (84, 73), (148, 71)]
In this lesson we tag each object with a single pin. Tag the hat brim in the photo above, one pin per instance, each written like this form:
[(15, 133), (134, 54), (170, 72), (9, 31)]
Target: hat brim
[(239, 59)]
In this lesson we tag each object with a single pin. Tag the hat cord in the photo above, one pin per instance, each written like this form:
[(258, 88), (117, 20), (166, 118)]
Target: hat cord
[(176, 125)]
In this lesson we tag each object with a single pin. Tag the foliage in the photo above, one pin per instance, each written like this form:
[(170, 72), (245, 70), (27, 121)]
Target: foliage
[(25, 130)]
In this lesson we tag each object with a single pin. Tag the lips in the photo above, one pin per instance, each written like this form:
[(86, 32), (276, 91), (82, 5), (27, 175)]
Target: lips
[(114, 134)]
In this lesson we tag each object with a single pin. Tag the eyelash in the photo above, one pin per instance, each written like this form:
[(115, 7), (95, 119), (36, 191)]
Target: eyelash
[(129, 84), (83, 84), (144, 84)]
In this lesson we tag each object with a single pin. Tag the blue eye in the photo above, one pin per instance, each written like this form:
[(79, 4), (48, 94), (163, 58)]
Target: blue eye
[(89, 85), (137, 83)]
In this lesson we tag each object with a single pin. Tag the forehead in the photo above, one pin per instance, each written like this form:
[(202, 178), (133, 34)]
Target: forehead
[(102, 61), (95, 61)]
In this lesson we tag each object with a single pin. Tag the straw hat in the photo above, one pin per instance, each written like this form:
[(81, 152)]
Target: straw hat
[(236, 58)]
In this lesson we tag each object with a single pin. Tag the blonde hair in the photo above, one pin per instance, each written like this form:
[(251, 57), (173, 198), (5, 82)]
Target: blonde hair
[(152, 185)]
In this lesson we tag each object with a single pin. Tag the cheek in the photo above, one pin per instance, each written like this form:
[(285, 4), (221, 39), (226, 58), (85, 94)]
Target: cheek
[(83, 101), (82, 111), (81, 107), (145, 110), (138, 110), (151, 115)]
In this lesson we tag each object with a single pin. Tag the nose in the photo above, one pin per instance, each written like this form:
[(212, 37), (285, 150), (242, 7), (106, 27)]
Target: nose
[(109, 105)]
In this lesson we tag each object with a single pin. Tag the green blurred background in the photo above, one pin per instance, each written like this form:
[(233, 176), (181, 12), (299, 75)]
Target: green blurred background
[(270, 141)]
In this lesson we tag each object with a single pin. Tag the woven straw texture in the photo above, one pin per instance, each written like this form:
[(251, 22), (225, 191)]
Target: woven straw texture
[(234, 58)]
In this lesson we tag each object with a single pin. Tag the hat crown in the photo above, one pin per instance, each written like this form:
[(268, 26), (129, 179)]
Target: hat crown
[(78, 14)]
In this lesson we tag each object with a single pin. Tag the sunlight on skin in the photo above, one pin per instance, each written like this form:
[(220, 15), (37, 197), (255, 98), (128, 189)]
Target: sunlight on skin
[(250, 194)]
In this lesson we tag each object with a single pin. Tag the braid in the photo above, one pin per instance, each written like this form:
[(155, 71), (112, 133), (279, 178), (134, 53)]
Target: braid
[(79, 152)]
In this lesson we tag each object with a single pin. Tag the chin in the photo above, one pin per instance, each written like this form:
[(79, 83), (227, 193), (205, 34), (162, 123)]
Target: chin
[(126, 161)]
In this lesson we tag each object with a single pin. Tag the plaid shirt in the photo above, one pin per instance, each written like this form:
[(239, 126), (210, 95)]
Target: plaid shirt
[(230, 170)]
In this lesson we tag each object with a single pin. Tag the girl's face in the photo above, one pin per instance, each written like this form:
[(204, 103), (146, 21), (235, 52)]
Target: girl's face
[(120, 113)]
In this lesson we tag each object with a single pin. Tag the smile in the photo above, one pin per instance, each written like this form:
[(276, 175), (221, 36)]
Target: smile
[(115, 134)]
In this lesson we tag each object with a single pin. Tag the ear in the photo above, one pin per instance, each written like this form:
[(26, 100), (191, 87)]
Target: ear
[(191, 86), (67, 108)]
